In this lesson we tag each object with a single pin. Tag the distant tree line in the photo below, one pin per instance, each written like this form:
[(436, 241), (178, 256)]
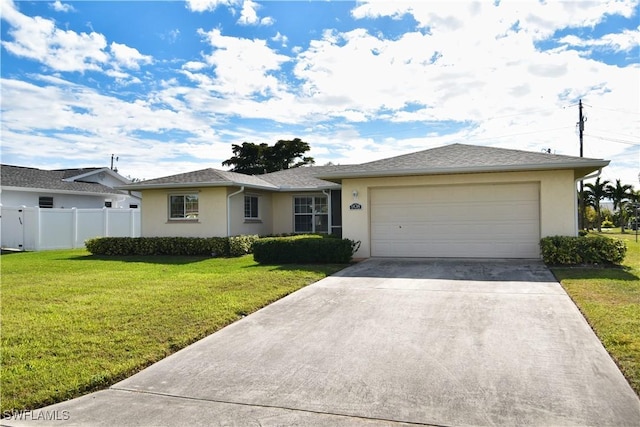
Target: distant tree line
[(624, 199)]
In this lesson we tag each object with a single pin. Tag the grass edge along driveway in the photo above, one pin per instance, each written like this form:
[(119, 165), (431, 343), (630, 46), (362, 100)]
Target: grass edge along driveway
[(609, 299), (74, 323)]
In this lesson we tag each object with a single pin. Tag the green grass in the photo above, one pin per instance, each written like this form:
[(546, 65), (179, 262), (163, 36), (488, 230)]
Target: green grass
[(74, 323), (609, 298)]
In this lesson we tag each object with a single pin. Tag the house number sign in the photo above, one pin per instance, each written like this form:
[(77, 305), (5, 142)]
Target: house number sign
[(355, 206)]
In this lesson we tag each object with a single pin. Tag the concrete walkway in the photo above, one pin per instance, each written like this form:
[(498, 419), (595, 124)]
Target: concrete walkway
[(384, 342)]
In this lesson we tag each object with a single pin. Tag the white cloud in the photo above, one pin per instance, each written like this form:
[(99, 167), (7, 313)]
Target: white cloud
[(249, 15), (128, 57), (58, 6), (280, 38), (539, 19), (208, 5), (620, 42), (38, 39), (170, 36), (194, 65), (243, 67)]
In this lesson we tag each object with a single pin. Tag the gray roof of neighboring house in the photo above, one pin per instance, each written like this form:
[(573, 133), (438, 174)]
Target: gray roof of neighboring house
[(461, 158), (52, 180)]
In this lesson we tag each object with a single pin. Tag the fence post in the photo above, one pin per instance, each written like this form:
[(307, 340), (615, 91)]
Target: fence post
[(105, 221), (24, 226), (132, 218), (74, 220), (38, 231)]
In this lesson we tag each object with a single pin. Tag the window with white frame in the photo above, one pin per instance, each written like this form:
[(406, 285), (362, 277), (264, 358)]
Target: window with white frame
[(183, 206), (251, 207), (310, 214)]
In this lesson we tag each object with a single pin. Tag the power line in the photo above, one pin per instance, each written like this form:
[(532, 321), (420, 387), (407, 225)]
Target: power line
[(618, 134), (619, 141), (615, 110)]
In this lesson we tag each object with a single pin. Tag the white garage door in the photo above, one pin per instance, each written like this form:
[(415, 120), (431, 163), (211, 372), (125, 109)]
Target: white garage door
[(470, 221)]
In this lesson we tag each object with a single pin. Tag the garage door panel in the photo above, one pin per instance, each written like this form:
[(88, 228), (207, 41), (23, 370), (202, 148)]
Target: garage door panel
[(526, 210), (456, 221), (463, 230)]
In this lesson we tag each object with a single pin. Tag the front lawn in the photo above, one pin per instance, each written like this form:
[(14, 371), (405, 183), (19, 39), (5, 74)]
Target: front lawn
[(609, 298), (73, 322)]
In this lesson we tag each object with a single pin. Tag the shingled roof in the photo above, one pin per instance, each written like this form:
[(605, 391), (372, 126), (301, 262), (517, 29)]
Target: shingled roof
[(301, 178), (52, 180), (455, 158), (203, 178), (461, 158)]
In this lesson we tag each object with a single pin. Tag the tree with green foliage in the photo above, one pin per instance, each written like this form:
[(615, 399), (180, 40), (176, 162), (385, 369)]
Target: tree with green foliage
[(620, 194), (254, 159), (594, 193)]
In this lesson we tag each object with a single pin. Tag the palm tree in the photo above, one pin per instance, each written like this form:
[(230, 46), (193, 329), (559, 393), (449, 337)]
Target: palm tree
[(632, 209), (619, 195), (595, 192)]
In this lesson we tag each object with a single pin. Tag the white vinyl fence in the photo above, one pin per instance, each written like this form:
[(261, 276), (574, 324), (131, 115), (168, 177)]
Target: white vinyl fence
[(36, 229)]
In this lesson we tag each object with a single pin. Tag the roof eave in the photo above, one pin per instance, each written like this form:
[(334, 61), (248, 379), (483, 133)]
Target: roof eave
[(284, 189), (176, 185), (58, 191), (584, 168)]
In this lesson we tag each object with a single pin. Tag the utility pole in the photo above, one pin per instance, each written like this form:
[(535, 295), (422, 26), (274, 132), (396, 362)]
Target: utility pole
[(113, 156), (582, 207)]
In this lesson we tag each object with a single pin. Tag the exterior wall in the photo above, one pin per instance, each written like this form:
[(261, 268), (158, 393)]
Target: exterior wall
[(240, 225), (557, 200), (60, 200), (30, 199), (275, 210), (282, 213), (212, 213)]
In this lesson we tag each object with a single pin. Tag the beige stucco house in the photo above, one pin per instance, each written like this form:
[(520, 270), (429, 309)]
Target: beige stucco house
[(452, 201)]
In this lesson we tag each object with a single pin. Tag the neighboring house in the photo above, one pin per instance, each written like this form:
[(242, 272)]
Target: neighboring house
[(452, 201), (65, 188)]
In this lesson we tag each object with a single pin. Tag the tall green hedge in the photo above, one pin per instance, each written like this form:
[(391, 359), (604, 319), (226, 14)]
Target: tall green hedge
[(303, 249), (193, 246), (566, 250)]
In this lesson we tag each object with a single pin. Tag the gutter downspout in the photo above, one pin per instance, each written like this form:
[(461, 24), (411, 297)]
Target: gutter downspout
[(575, 201), (229, 209)]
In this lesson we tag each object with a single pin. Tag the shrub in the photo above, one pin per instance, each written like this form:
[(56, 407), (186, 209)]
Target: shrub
[(559, 250), (193, 246), (303, 249), (607, 224), (241, 245)]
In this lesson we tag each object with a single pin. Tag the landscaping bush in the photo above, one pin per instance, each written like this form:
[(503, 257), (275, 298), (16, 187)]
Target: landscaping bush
[(566, 250), (192, 246), (241, 245), (303, 249), (607, 224)]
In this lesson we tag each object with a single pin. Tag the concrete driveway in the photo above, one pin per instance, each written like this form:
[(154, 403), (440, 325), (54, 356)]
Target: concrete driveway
[(384, 342)]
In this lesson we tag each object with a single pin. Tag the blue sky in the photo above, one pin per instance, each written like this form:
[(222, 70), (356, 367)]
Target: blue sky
[(169, 86)]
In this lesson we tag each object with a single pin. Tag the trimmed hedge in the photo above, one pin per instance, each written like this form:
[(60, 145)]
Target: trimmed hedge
[(566, 250), (192, 246), (303, 249)]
